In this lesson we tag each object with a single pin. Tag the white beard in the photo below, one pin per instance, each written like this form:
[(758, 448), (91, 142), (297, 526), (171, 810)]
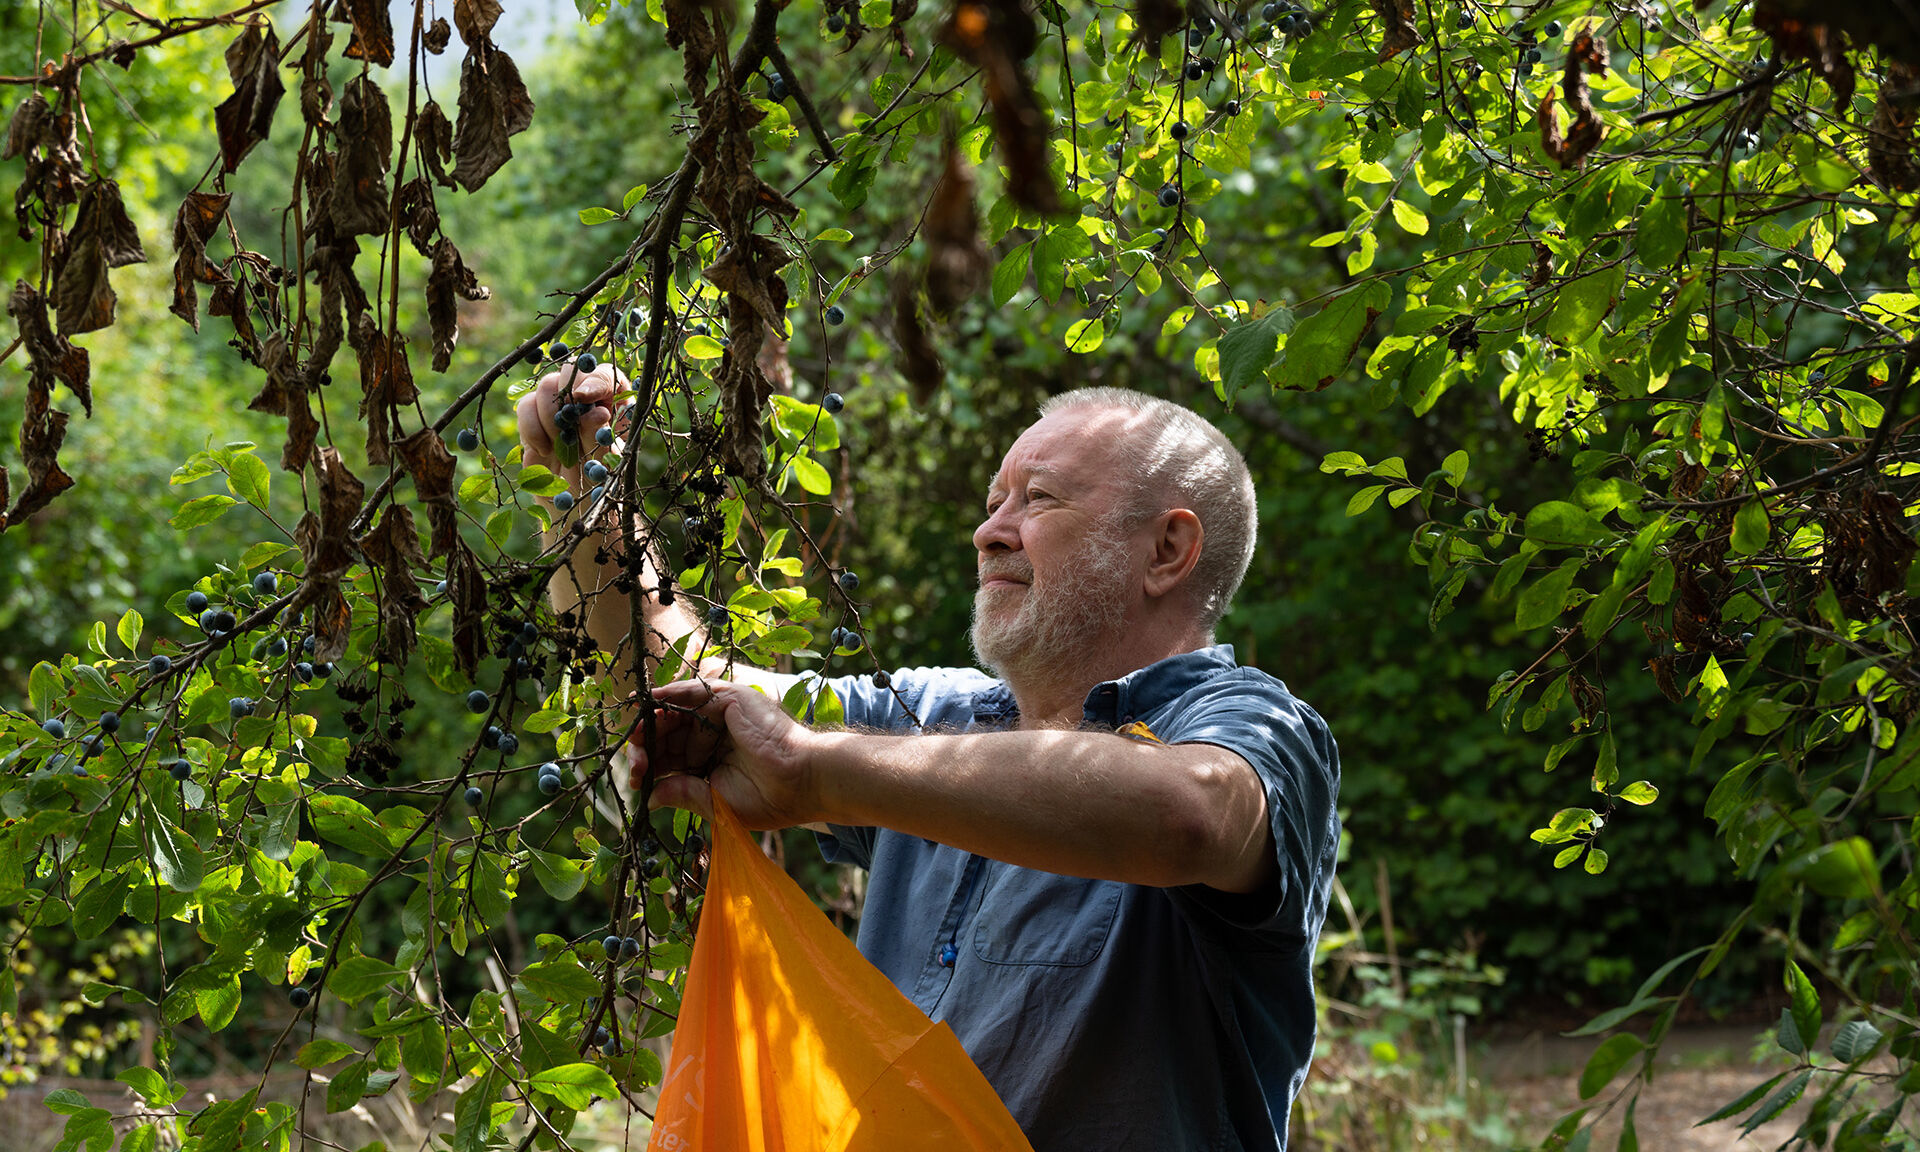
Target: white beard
[(1060, 624)]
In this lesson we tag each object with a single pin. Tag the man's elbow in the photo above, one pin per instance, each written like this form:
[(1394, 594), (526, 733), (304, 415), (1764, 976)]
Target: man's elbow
[(1220, 830)]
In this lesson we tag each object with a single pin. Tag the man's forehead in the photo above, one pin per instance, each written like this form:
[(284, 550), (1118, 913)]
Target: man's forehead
[(1070, 445)]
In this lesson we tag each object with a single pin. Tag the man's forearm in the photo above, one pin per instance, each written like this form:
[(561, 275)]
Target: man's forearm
[(1078, 803)]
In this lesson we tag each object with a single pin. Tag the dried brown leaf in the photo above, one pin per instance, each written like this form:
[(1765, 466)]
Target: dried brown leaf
[(27, 127), (1588, 53), (102, 213), (426, 459), (467, 589), (395, 547), (475, 19), (433, 136), (360, 203), (372, 31), (42, 428), (419, 215), (200, 213), (1890, 138), (438, 35), (83, 298), (230, 299), (386, 383), (50, 354), (919, 360), (494, 106), (450, 282), (341, 492), (995, 36), (1401, 34), (957, 261), (253, 61)]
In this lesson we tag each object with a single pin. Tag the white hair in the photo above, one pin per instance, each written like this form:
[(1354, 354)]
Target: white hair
[(1184, 461)]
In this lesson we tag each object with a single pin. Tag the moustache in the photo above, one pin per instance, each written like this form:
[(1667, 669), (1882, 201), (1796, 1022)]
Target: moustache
[(1006, 567)]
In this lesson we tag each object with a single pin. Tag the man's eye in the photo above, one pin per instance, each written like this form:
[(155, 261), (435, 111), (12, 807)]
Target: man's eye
[(1036, 494)]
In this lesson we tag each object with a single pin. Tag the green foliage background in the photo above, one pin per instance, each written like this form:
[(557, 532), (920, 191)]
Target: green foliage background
[(1343, 180)]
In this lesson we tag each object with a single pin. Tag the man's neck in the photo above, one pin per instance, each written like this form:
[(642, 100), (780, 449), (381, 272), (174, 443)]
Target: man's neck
[(1057, 697)]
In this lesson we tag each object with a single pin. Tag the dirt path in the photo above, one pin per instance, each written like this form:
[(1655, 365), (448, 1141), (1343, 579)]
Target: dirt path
[(1699, 1070)]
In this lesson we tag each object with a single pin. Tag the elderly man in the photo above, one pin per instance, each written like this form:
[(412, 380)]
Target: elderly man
[(1106, 869)]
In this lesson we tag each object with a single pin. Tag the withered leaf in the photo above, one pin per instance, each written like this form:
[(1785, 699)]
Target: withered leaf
[(50, 354), (386, 382), (1154, 19), (200, 213), (419, 215), (272, 397), (341, 492), (919, 360), (372, 31), (42, 427), (25, 130), (315, 94), (957, 262), (102, 213), (1890, 138), (433, 136), (426, 459), (438, 35), (1401, 34), (1587, 54), (475, 19), (360, 203), (691, 33), (995, 36), (395, 547), (253, 61), (83, 299), (285, 394), (450, 282), (467, 589), (494, 106), (230, 299)]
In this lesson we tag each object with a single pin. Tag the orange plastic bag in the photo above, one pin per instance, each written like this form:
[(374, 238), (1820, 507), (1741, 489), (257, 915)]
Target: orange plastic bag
[(789, 1040)]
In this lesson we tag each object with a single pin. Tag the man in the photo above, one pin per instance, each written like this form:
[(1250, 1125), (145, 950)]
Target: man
[(1106, 869)]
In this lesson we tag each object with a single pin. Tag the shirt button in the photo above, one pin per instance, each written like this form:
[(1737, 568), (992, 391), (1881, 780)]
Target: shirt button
[(1127, 719), (948, 954)]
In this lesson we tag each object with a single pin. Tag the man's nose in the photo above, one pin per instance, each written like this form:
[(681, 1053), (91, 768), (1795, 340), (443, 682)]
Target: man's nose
[(999, 532)]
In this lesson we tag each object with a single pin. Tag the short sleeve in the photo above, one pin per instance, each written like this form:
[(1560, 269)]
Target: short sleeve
[(1291, 749)]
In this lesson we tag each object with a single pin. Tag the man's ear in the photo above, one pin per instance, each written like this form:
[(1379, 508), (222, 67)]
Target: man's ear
[(1177, 537)]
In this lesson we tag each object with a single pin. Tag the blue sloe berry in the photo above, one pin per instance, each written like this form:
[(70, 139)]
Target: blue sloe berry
[(299, 997), (109, 722), (586, 363), (323, 670), (611, 945), (834, 314), (478, 701), (563, 502), (509, 743), (160, 665), (849, 581), (596, 472), (54, 727), (468, 440), (196, 601), (180, 769), (604, 437), (265, 583), (474, 797), (490, 738), (833, 402), (558, 350)]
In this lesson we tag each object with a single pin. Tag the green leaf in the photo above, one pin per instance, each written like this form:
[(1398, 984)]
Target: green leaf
[(1363, 499), (1612, 1017), (1010, 274), (1803, 1003), (247, 478), (1639, 792), (1596, 861), (1843, 870), (1558, 524), (1606, 1062), (634, 195), (319, 1053), (44, 689), (1583, 304), (1780, 1101), (1248, 350), (129, 629), (1855, 1041), (592, 216), (545, 720), (812, 477), (473, 1114), (1750, 528), (1410, 218), (561, 980), (1086, 335), (176, 858), (217, 1002), (358, 977), (201, 510), (348, 1085), (1543, 599), (575, 1085), (1321, 345), (1787, 1034), (1662, 232), (702, 347), (561, 877), (152, 1087), (1455, 466)]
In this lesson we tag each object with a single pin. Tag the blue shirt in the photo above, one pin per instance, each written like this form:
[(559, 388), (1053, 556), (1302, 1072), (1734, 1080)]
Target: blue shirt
[(1113, 1016)]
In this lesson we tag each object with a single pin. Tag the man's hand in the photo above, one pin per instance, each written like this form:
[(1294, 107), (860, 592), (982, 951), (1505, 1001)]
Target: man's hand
[(542, 425), (760, 757)]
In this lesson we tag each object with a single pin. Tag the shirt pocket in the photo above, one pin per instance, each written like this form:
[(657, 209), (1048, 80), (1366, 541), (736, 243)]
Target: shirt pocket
[(1029, 917)]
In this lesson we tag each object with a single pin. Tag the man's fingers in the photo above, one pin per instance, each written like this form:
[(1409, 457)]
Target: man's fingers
[(689, 792)]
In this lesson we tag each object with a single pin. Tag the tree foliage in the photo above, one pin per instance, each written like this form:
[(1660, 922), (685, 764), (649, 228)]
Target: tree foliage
[(1670, 245)]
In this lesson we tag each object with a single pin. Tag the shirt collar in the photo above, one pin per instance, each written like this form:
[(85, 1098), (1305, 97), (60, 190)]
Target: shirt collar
[(1121, 701)]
